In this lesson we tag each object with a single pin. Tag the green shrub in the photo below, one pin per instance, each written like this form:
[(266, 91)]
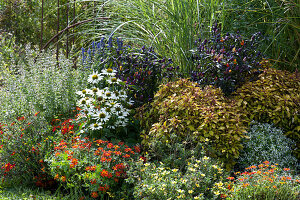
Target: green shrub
[(181, 111), (199, 180), (267, 143), (274, 98)]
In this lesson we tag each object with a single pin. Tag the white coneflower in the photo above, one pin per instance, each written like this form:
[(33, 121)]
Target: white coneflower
[(81, 93), (95, 78), (110, 95), (113, 80), (100, 93), (95, 126), (83, 102), (101, 115), (108, 72)]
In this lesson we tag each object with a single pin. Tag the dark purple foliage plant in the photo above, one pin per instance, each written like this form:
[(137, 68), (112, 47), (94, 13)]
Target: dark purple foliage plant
[(226, 61)]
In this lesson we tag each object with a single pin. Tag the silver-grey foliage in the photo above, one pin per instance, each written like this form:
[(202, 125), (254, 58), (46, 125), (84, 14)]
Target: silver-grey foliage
[(267, 143)]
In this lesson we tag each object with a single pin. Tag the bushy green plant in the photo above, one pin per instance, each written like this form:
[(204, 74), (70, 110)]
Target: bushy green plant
[(39, 83), (182, 110), (157, 181), (97, 167), (264, 181), (274, 98), (24, 143), (267, 143), (226, 61)]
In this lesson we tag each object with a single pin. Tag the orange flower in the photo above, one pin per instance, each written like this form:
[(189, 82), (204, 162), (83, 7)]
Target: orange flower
[(242, 42), (274, 186), (286, 169), (104, 173), (63, 179), (245, 185), (126, 156), (93, 181), (94, 195), (230, 178), (266, 162), (56, 176)]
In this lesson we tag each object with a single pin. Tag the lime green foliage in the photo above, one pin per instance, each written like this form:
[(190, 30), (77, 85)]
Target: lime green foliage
[(182, 111), (274, 98)]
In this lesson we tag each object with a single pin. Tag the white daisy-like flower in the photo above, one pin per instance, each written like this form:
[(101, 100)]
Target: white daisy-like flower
[(108, 72), (81, 93), (113, 80), (121, 123), (95, 126), (111, 127), (95, 78), (121, 115), (101, 115), (100, 93), (118, 107), (83, 102), (130, 102), (110, 95)]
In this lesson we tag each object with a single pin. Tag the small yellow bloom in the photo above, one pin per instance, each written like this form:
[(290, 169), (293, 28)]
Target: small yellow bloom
[(174, 170), (190, 191)]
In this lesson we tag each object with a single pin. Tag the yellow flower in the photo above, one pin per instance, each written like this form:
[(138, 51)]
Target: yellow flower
[(202, 175), (174, 170), (190, 191), (205, 158), (217, 193)]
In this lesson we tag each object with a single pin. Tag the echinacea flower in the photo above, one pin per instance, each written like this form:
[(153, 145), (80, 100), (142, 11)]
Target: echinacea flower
[(113, 80), (95, 78), (108, 72), (96, 126)]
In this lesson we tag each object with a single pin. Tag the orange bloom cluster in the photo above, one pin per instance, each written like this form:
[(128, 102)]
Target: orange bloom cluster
[(253, 176), (105, 173), (90, 168)]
